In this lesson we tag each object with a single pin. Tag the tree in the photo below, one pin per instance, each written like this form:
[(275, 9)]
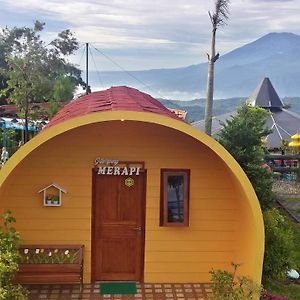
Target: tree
[(243, 137), (63, 91), (34, 68), (8, 139), (218, 18)]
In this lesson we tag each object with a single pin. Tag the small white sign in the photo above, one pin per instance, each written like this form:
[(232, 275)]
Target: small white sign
[(104, 161)]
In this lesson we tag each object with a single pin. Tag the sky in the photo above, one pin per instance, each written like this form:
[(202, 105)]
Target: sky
[(151, 34)]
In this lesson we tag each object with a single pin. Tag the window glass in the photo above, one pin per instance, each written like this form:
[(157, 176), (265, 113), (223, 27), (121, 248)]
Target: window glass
[(174, 204), (175, 199)]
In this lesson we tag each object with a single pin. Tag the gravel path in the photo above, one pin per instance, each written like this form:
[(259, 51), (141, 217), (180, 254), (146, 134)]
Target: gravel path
[(286, 187), (288, 196)]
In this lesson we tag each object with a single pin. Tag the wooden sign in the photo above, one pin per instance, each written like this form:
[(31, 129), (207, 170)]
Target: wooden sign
[(115, 167)]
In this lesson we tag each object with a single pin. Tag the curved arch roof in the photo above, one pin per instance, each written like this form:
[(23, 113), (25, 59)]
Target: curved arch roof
[(120, 98)]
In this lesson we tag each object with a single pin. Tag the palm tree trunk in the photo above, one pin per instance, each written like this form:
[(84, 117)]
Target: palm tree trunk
[(210, 85)]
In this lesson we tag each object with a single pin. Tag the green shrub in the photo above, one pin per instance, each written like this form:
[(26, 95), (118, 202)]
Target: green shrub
[(279, 245), (13, 292), (243, 136), (9, 257), (228, 286)]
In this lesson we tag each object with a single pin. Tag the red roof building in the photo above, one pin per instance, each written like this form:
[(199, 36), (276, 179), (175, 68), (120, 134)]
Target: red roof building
[(12, 111), (144, 191)]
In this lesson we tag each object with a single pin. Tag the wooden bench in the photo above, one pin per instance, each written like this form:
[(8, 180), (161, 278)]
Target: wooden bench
[(41, 264)]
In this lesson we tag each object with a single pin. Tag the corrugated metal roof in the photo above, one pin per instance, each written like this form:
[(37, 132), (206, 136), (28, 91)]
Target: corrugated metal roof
[(283, 123), (112, 99), (216, 125)]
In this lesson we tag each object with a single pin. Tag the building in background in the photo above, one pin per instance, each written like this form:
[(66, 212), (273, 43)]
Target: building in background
[(282, 122)]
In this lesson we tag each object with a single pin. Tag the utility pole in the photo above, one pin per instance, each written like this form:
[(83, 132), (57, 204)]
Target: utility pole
[(87, 89)]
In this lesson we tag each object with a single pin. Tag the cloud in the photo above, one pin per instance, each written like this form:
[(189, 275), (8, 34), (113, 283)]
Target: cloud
[(161, 32), (275, 1)]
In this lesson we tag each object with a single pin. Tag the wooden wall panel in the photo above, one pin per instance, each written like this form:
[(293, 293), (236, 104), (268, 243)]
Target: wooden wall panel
[(171, 254)]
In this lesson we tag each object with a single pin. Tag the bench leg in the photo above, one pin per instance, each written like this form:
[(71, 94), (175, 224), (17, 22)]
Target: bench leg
[(81, 285)]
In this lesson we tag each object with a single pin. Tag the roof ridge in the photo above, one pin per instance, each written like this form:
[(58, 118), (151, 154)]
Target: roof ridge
[(120, 98)]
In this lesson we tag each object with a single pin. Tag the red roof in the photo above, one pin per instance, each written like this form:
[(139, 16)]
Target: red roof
[(113, 99), (11, 110)]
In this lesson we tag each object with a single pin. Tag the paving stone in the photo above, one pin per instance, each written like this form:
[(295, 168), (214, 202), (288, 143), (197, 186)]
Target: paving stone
[(146, 291)]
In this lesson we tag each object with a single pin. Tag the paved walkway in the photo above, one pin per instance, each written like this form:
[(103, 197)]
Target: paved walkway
[(186, 291)]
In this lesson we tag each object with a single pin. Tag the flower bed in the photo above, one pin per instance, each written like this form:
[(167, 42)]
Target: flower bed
[(49, 256)]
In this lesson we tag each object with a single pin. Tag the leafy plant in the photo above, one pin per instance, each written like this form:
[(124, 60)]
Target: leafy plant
[(8, 139), (9, 257), (228, 286), (13, 292), (285, 146), (280, 245), (243, 137)]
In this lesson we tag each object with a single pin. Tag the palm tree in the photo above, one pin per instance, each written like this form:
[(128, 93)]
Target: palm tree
[(218, 18)]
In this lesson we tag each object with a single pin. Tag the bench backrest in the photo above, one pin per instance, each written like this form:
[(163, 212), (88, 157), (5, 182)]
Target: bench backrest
[(51, 254)]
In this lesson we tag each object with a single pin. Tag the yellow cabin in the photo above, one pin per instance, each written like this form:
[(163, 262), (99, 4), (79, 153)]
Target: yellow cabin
[(152, 198)]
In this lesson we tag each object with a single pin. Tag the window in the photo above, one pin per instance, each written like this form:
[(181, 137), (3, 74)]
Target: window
[(174, 202)]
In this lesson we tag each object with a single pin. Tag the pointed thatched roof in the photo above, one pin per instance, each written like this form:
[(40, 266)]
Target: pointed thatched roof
[(265, 96)]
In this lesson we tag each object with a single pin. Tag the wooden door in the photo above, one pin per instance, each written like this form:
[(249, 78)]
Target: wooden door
[(118, 227)]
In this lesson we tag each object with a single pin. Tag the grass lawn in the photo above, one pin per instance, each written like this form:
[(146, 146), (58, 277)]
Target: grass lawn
[(297, 244), (293, 204), (294, 200), (291, 291)]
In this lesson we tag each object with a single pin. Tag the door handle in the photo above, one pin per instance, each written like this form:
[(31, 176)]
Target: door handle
[(138, 228)]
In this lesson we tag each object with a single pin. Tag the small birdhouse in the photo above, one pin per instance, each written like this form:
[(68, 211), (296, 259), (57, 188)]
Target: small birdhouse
[(52, 195)]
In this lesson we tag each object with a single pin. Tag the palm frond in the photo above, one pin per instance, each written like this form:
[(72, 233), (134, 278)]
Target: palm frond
[(221, 13)]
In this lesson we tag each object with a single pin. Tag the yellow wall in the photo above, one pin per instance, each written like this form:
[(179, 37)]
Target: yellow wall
[(216, 234)]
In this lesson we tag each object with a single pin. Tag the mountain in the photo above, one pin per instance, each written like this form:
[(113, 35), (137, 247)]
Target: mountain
[(237, 73), (195, 108)]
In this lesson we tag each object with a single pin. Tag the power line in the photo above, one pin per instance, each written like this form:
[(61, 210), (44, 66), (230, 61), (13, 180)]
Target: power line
[(97, 72), (127, 72), (82, 54)]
